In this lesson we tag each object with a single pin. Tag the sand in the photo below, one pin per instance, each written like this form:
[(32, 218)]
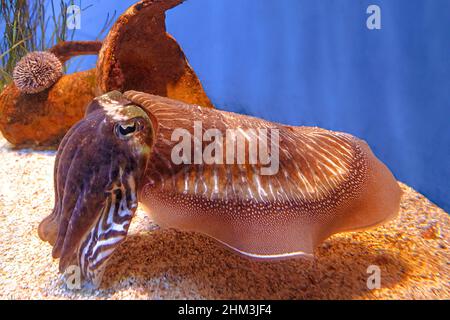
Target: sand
[(412, 253)]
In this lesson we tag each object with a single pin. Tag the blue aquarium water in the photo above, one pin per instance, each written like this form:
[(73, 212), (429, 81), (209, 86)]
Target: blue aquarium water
[(315, 63)]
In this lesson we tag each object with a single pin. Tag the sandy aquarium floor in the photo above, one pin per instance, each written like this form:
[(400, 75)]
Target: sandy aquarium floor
[(412, 253)]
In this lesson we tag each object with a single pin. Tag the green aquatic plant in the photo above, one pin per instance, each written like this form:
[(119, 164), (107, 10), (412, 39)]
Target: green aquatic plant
[(35, 25), (29, 26)]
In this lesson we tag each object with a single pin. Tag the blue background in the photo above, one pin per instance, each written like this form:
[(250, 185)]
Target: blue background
[(309, 62)]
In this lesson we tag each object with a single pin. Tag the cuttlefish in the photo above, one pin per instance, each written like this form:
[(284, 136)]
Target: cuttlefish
[(280, 199)]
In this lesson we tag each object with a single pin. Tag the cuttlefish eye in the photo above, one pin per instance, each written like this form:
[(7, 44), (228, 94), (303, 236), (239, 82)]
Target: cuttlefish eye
[(128, 129), (98, 171)]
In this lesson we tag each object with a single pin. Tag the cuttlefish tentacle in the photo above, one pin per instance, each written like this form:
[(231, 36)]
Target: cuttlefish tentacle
[(325, 182), (96, 184)]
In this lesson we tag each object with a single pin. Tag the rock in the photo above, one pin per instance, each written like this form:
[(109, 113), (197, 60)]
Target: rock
[(139, 55), (42, 104), (42, 119)]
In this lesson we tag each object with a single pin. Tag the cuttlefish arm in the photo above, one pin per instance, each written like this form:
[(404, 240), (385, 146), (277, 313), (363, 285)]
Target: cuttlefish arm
[(98, 168), (316, 183)]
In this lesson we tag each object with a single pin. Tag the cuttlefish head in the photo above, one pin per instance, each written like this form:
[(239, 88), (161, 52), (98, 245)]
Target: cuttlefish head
[(98, 170)]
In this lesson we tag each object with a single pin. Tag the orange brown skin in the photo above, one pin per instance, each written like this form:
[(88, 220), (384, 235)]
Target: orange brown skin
[(327, 182)]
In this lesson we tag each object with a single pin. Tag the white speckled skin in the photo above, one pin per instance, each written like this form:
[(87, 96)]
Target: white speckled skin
[(327, 182)]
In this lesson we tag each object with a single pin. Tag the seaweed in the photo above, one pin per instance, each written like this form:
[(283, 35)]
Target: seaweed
[(35, 25)]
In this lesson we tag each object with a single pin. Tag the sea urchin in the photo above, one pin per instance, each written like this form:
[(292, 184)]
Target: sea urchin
[(37, 71)]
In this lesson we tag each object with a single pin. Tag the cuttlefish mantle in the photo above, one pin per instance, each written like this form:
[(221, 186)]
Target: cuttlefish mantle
[(122, 153)]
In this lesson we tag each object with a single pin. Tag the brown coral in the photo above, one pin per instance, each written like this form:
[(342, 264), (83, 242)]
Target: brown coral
[(42, 119), (39, 108), (139, 55)]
